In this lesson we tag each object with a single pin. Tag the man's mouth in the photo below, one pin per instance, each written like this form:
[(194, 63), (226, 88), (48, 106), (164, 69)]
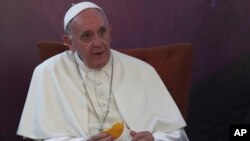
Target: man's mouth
[(98, 53)]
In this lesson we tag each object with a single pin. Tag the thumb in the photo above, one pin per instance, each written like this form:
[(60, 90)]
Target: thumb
[(133, 133)]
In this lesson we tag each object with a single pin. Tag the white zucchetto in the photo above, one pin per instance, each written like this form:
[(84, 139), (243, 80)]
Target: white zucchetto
[(76, 9)]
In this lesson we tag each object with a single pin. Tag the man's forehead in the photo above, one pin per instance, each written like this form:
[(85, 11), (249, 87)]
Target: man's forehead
[(89, 17)]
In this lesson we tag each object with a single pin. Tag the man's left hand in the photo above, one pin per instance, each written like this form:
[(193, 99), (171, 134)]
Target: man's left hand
[(141, 136)]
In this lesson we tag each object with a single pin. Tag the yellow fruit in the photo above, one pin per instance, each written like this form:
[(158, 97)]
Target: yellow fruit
[(116, 130)]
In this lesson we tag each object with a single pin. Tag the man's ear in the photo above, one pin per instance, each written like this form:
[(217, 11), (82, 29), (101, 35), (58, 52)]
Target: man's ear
[(68, 42), (109, 30)]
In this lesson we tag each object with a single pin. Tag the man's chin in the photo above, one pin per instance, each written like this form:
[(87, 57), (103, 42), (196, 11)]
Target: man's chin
[(100, 60), (99, 64)]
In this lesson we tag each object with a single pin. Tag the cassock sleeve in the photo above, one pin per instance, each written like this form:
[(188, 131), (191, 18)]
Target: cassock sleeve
[(176, 135)]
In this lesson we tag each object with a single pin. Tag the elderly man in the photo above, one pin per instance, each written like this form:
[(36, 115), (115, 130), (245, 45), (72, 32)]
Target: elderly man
[(77, 94)]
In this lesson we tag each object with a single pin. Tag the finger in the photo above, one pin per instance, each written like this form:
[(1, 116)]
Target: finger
[(133, 133), (98, 136), (137, 136), (108, 138), (145, 135)]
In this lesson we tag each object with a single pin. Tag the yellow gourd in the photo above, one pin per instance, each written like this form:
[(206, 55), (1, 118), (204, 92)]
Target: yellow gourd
[(116, 130)]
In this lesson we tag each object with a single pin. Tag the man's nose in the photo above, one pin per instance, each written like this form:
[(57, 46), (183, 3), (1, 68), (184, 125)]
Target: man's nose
[(97, 41)]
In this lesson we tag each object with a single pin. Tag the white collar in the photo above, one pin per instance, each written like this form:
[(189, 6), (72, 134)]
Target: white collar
[(85, 68)]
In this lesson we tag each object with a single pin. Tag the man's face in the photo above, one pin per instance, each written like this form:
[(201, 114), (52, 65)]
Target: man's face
[(90, 37)]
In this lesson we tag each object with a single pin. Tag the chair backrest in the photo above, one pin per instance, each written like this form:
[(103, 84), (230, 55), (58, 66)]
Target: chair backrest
[(172, 62)]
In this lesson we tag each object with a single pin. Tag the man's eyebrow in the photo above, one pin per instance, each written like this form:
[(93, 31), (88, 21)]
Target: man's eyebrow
[(102, 28), (84, 32)]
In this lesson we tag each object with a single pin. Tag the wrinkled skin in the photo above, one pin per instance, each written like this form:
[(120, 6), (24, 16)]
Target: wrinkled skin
[(90, 37)]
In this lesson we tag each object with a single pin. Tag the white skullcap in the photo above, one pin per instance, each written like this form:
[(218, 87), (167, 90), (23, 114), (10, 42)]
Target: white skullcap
[(76, 9)]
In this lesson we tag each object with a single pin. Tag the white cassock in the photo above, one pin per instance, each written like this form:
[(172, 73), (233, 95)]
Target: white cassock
[(57, 107)]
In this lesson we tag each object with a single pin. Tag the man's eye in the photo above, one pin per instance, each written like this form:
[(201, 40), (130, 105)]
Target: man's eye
[(86, 37), (102, 32)]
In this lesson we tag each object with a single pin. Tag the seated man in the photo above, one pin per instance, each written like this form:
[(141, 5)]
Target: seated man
[(77, 94)]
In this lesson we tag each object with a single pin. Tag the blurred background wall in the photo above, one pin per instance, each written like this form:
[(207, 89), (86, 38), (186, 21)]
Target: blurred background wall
[(218, 29)]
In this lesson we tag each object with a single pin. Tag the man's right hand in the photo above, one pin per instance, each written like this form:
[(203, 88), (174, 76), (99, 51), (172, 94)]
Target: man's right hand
[(101, 137)]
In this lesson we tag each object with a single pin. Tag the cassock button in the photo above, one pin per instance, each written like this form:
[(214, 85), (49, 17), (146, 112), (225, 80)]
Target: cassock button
[(100, 94), (98, 83), (102, 105)]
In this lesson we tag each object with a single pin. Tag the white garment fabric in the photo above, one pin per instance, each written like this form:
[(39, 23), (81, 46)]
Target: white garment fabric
[(57, 107), (177, 135), (76, 9), (98, 89)]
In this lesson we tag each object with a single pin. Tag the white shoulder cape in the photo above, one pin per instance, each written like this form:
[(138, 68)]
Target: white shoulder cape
[(55, 105)]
